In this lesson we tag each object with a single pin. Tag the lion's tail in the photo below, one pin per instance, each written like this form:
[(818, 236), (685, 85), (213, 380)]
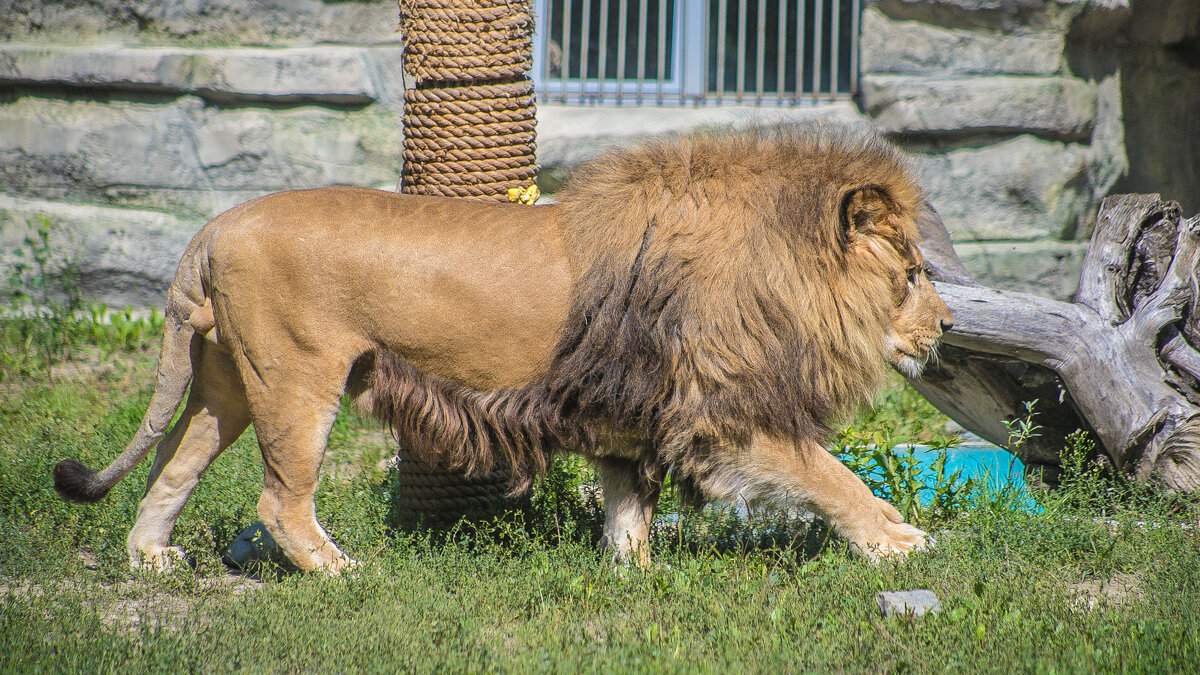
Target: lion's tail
[(76, 482)]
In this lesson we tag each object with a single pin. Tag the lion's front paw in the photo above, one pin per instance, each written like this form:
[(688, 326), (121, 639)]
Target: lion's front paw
[(889, 536)]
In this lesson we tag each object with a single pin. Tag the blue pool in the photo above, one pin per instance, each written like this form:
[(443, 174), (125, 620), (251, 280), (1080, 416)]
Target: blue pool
[(992, 466)]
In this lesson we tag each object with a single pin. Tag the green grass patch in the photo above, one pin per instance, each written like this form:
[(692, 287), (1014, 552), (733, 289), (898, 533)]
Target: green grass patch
[(530, 592)]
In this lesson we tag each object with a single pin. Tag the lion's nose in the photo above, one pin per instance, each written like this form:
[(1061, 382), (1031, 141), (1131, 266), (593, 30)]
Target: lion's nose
[(947, 324)]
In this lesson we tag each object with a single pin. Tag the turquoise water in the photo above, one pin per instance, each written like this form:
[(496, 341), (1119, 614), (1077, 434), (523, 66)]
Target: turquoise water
[(991, 466)]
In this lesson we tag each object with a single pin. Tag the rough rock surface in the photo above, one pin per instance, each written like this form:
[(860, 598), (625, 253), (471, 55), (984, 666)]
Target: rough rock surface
[(186, 156), (890, 46), (1019, 188), (1049, 268), (1007, 16), (334, 75), (251, 22), (125, 256), (1056, 107)]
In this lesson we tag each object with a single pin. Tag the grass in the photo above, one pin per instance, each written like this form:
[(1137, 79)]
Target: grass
[(529, 592)]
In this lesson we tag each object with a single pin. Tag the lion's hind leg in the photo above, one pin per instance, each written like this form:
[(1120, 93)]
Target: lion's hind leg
[(293, 410), (215, 415), (629, 504)]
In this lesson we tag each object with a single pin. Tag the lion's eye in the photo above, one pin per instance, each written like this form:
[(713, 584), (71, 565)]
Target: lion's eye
[(912, 275)]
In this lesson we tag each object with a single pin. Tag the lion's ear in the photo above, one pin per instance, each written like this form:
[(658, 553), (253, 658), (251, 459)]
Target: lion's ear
[(865, 210)]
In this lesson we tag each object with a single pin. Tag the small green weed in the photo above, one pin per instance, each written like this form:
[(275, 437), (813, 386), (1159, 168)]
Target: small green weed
[(122, 329), (45, 321), (39, 324), (1021, 429)]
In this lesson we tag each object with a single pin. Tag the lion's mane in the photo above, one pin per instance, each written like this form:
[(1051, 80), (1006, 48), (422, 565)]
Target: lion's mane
[(719, 291)]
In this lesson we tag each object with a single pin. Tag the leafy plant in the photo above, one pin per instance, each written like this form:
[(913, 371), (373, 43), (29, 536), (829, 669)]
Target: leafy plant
[(898, 475), (1021, 429), (122, 329), (44, 297), (565, 501)]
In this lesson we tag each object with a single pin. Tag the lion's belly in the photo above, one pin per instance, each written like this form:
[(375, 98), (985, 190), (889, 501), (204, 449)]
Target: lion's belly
[(482, 335)]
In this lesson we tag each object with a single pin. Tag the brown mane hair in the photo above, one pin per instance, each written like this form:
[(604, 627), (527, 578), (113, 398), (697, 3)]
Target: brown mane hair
[(722, 286)]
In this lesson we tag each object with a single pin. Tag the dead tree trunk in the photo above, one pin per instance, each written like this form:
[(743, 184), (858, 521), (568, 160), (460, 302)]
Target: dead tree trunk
[(1119, 362)]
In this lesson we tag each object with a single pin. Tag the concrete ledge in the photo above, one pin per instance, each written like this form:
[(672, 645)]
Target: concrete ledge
[(1056, 107), (569, 135), (330, 75)]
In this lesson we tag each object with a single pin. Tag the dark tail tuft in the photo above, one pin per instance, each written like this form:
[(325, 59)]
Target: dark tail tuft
[(75, 482)]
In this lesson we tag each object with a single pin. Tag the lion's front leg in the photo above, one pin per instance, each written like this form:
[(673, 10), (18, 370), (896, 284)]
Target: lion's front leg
[(806, 471), (628, 509)]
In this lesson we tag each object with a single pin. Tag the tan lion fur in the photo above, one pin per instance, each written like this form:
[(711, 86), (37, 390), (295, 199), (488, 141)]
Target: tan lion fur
[(706, 306)]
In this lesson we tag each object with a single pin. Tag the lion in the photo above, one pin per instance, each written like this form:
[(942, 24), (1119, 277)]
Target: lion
[(706, 306)]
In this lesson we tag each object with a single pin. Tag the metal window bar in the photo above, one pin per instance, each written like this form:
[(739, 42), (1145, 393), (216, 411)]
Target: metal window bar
[(642, 24), (662, 49), (672, 52)]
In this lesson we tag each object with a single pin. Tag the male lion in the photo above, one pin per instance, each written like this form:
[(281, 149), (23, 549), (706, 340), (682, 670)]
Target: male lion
[(705, 307)]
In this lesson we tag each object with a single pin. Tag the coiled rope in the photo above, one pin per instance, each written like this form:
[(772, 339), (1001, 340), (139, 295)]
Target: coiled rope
[(469, 119), (468, 132)]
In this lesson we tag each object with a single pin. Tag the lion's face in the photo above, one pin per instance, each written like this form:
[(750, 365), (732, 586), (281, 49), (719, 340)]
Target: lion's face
[(918, 320)]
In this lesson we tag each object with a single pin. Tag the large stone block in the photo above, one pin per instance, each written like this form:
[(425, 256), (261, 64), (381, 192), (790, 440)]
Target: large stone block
[(189, 157), (1056, 107), (56, 147), (890, 46), (1047, 268), (253, 22), (125, 256), (1002, 15), (346, 76), (1022, 188)]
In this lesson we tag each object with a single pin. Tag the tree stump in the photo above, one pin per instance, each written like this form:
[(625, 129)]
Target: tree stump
[(1119, 362)]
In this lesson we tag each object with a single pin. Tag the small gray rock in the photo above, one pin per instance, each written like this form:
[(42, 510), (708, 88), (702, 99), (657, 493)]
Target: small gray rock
[(253, 545), (907, 603)]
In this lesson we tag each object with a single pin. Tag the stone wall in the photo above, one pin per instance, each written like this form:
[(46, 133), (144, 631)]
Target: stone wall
[(1024, 114), (129, 124)]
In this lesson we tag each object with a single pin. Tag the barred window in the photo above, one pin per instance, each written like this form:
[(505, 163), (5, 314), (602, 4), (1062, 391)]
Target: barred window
[(696, 51)]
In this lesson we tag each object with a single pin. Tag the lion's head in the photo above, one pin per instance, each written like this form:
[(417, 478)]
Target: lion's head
[(740, 282), (918, 321), (882, 230)]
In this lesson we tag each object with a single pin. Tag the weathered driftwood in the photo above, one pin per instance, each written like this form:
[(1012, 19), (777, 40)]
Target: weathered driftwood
[(1119, 362)]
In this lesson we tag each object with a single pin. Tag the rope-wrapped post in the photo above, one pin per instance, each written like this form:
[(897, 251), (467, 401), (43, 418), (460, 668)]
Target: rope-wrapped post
[(468, 132), (469, 118)]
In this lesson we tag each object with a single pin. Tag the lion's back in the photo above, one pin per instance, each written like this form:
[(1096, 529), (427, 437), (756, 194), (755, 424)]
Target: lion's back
[(469, 291)]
